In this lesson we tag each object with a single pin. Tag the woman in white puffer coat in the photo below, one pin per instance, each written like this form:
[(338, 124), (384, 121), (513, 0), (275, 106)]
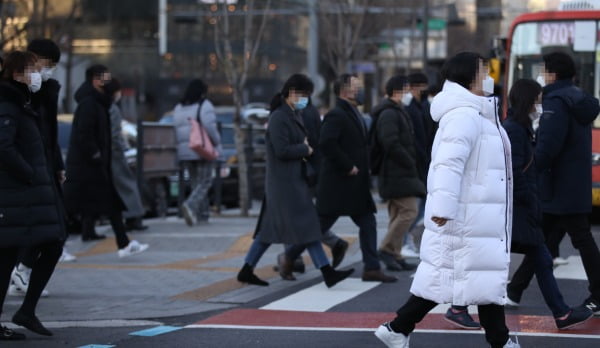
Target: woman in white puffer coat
[(465, 251)]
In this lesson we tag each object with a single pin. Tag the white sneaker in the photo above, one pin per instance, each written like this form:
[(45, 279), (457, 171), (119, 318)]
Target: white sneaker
[(14, 290), (390, 338), (511, 344), (188, 214), (67, 257), (20, 276), (559, 261), (408, 251), (134, 247), (511, 303)]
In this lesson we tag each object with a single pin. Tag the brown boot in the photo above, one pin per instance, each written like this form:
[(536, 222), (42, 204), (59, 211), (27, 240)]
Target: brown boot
[(377, 275), (285, 267)]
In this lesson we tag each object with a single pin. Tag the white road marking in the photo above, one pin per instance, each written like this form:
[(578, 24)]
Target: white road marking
[(318, 298), (573, 270), (366, 329)]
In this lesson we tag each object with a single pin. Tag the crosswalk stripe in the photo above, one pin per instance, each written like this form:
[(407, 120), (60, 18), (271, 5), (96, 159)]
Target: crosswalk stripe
[(319, 298), (573, 270), (370, 329)]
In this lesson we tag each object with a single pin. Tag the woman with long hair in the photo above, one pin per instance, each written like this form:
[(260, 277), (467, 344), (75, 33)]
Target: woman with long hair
[(525, 99), (289, 215)]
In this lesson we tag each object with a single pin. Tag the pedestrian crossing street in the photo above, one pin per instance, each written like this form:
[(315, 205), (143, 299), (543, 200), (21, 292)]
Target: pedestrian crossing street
[(309, 309)]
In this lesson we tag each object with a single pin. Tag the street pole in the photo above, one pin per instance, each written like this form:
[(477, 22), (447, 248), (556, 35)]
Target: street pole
[(425, 33), (162, 27), (313, 42)]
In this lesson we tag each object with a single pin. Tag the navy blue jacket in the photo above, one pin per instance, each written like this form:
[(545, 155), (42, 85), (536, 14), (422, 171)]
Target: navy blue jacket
[(563, 154), (526, 206)]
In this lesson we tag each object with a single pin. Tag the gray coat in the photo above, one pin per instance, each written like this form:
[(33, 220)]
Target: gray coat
[(289, 215), (123, 179), (182, 114)]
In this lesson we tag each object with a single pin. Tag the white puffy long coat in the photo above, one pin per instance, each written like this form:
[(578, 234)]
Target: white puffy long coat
[(466, 261)]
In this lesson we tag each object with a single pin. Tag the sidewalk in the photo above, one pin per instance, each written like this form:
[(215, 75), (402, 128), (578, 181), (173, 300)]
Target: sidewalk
[(185, 271)]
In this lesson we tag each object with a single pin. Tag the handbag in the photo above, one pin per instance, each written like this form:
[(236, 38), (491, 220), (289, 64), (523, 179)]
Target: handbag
[(199, 140), (309, 173)]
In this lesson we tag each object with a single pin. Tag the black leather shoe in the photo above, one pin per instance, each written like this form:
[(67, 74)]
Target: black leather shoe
[(92, 237), (377, 276), (406, 266), (338, 252), (7, 334), (391, 264), (32, 323)]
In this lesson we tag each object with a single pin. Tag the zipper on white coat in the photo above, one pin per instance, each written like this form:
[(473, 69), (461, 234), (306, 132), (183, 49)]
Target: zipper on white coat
[(506, 176)]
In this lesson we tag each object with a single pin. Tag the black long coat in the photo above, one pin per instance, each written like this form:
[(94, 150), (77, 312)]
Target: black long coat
[(344, 144), (289, 215), (526, 229), (89, 189), (29, 212)]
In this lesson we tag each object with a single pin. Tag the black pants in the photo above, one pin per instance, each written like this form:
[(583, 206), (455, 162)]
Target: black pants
[(41, 271), (88, 224), (416, 308), (578, 228), (367, 236), (8, 261)]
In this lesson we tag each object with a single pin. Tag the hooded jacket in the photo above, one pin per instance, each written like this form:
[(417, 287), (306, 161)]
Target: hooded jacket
[(89, 188), (563, 153), (469, 183)]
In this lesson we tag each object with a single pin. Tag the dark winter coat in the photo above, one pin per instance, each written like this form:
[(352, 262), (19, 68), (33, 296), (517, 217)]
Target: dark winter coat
[(28, 199), (45, 102), (400, 175), (422, 148), (526, 229), (289, 215), (89, 187), (344, 144), (312, 123), (563, 154)]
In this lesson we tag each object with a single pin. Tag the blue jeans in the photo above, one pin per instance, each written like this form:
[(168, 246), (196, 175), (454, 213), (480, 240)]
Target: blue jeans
[(367, 236), (539, 261), (315, 250)]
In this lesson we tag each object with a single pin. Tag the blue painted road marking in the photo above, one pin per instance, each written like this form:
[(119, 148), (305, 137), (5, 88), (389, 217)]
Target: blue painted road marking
[(96, 346), (155, 331)]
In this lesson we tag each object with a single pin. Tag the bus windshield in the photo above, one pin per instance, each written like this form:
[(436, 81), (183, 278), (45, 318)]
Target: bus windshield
[(531, 40)]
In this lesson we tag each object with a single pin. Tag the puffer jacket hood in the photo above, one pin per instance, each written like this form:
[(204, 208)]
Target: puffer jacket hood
[(584, 107), (454, 96)]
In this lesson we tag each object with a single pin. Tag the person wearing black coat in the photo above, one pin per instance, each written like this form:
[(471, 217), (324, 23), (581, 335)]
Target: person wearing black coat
[(45, 103), (89, 189), (29, 212), (400, 181), (527, 236), (343, 187), (563, 159)]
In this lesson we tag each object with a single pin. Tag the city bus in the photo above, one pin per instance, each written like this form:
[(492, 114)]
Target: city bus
[(575, 31)]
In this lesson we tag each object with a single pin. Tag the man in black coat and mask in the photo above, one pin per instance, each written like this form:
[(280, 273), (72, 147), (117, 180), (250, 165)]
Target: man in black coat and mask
[(89, 189)]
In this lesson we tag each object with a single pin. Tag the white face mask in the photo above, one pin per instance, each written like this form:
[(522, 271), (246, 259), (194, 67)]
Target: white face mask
[(47, 73), (407, 99), (540, 79), (488, 85), (35, 81), (534, 116)]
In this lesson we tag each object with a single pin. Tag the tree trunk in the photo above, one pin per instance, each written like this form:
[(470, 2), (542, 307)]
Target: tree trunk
[(240, 147)]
